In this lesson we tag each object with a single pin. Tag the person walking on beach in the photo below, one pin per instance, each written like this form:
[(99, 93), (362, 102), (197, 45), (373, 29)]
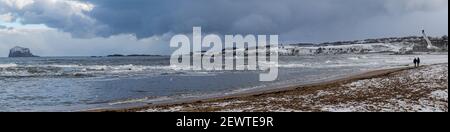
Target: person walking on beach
[(415, 62), (418, 62)]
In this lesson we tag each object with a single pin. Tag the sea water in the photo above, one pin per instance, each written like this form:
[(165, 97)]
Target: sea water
[(81, 83)]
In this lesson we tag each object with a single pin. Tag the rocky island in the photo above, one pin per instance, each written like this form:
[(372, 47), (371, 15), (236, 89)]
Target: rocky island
[(20, 52)]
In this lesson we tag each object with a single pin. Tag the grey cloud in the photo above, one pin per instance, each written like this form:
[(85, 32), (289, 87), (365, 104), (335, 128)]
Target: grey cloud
[(146, 18), (311, 20), (65, 15)]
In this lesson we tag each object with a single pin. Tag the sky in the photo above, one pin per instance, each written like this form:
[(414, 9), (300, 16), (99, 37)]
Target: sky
[(102, 27)]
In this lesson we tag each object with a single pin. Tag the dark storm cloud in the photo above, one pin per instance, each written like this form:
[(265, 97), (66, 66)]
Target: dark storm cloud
[(311, 19), (146, 18)]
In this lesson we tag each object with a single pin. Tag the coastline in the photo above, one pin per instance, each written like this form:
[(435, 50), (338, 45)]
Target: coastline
[(227, 99)]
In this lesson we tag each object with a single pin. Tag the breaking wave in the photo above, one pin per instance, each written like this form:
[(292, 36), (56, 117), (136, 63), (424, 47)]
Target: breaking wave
[(15, 70)]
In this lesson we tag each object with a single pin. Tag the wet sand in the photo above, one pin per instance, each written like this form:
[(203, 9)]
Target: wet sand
[(331, 95)]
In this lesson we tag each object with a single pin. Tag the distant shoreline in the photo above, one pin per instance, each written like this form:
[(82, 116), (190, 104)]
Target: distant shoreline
[(131, 55)]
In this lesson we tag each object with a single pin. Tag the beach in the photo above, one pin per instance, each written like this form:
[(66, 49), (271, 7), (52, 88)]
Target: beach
[(406, 89)]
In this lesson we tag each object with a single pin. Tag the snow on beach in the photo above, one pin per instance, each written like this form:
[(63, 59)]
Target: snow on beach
[(423, 89)]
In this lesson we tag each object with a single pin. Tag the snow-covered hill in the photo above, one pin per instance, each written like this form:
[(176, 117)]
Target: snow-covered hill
[(403, 45), (400, 48)]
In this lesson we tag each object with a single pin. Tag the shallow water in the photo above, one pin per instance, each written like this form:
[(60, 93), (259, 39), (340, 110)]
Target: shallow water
[(76, 83)]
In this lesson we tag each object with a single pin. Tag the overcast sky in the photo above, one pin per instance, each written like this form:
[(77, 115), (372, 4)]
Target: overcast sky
[(101, 27)]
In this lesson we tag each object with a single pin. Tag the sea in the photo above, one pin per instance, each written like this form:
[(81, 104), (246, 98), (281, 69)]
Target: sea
[(87, 83)]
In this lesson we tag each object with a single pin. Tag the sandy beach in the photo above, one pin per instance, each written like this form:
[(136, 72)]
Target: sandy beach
[(407, 89)]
